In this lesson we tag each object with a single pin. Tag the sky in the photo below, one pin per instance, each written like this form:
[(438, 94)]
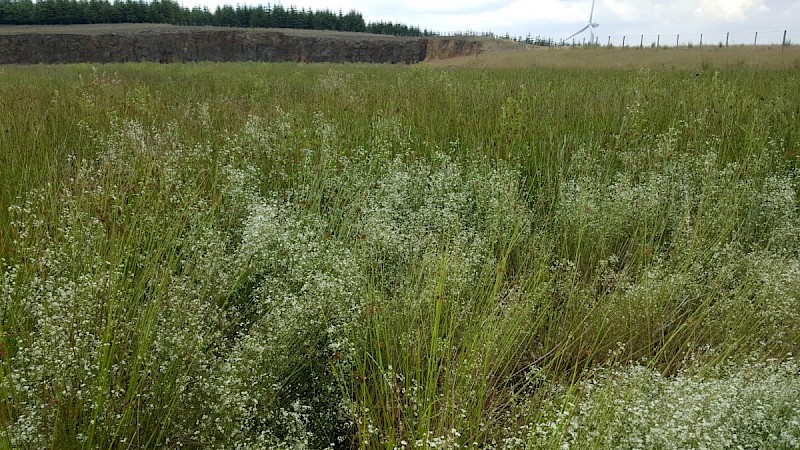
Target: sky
[(560, 18)]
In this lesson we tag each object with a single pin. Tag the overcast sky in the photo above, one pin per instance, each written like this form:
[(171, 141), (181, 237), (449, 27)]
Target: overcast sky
[(560, 18)]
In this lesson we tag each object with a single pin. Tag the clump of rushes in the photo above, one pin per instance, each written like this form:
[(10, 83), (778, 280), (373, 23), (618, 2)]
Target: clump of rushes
[(398, 258)]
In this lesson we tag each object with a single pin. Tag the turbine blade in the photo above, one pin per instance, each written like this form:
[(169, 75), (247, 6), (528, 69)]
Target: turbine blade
[(577, 33), (591, 14)]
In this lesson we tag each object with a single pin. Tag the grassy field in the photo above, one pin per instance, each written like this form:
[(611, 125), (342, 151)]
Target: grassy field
[(705, 58), (350, 256)]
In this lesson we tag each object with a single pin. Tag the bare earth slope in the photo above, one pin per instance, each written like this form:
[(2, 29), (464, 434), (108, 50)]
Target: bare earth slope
[(166, 43)]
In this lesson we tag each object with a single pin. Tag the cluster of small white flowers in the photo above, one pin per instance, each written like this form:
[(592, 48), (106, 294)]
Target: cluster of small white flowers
[(773, 301), (416, 210), (754, 405), (399, 216), (778, 215), (294, 306), (96, 300), (63, 294)]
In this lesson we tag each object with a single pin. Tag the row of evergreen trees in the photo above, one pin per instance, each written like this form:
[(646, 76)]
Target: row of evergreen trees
[(61, 12), (538, 40)]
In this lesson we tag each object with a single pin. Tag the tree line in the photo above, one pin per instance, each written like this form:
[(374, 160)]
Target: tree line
[(67, 12), (538, 40)]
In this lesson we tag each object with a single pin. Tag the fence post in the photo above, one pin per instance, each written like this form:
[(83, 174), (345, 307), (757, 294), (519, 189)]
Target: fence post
[(678, 41), (658, 42), (641, 42), (755, 41), (783, 42), (701, 39), (623, 41), (609, 42), (727, 36)]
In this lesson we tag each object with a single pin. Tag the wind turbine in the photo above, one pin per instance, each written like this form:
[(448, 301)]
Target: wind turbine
[(591, 26)]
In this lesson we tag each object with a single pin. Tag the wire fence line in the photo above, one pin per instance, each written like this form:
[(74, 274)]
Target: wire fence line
[(719, 39), (726, 39)]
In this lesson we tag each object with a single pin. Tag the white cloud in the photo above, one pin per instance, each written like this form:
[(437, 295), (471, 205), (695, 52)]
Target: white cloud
[(729, 10), (624, 10), (450, 7)]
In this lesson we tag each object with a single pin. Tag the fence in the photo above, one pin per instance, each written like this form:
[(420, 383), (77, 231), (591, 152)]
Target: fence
[(782, 37)]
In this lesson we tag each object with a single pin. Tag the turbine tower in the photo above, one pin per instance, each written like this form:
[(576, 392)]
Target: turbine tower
[(591, 26)]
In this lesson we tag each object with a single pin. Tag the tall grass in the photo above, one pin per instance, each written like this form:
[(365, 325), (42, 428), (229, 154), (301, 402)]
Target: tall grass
[(293, 256)]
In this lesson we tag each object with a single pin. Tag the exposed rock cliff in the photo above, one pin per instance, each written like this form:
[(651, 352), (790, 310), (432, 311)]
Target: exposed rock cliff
[(444, 48), (205, 44)]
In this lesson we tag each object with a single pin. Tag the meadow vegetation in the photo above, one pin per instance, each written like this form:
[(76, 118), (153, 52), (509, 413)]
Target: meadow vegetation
[(708, 57), (327, 256)]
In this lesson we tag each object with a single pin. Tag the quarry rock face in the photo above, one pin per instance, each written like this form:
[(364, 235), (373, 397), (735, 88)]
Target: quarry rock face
[(226, 45), (451, 48)]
